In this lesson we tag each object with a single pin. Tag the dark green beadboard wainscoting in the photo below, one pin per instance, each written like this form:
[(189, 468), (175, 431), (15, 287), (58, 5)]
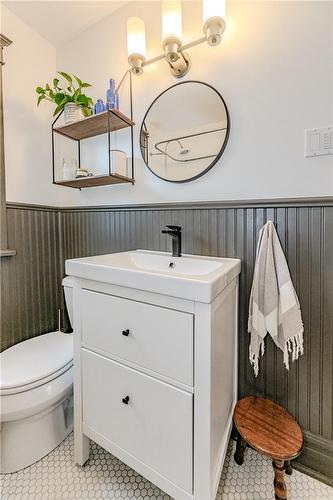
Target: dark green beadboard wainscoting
[(45, 237), (30, 279)]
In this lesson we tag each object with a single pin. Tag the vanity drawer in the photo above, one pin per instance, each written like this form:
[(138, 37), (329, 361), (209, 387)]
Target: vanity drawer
[(155, 426), (152, 337)]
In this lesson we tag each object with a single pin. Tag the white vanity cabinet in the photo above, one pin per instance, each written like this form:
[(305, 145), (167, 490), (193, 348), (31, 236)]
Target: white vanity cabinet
[(156, 381)]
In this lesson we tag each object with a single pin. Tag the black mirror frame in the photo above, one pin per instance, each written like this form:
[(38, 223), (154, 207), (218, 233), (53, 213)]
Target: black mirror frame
[(223, 145)]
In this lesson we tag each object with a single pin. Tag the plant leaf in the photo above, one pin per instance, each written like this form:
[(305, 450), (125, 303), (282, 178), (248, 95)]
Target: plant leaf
[(39, 90), (65, 100), (86, 85), (48, 87), (57, 110), (55, 82), (87, 111), (80, 83), (82, 99), (65, 75), (40, 98), (59, 97)]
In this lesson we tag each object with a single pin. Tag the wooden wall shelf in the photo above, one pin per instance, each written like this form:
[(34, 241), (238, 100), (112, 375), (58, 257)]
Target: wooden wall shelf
[(95, 125), (96, 180), (106, 122)]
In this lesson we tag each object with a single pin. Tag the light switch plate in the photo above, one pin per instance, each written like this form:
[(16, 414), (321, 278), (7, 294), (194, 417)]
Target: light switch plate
[(319, 141)]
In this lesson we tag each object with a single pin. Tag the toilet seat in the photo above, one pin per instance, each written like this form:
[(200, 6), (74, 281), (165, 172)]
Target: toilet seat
[(35, 362)]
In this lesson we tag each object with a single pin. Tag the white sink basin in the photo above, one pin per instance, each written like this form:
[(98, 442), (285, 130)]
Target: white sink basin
[(191, 277)]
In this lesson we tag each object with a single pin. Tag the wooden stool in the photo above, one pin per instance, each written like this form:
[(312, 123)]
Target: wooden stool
[(271, 430)]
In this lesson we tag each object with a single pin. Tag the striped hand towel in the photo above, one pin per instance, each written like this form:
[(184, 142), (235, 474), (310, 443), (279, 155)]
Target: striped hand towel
[(274, 307)]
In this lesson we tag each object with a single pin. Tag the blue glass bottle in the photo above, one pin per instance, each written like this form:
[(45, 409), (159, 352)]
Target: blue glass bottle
[(110, 94), (99, 106), (116, 101)]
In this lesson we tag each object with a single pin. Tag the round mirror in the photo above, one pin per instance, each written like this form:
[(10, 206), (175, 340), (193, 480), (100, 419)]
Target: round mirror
[(184, 131)]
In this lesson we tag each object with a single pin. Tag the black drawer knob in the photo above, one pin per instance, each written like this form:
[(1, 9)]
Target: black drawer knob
[(125, 333), (125, 400)]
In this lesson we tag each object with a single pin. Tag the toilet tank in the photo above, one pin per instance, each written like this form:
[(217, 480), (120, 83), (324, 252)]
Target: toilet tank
[(67, 283)]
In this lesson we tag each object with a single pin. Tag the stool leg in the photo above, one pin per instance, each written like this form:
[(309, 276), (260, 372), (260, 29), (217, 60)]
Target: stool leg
[(240, 449), (288, 467), (279, 484)]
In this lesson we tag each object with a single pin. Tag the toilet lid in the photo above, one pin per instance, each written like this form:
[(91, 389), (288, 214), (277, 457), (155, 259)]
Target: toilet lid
[(35, 359)]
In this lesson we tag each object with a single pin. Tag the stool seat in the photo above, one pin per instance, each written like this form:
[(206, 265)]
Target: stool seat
[(268, 428)]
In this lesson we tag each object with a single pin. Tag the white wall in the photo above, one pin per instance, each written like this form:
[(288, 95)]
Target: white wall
[(274, 69), (29, 61)]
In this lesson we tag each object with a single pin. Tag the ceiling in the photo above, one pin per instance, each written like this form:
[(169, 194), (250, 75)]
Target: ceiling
[(61, 20)]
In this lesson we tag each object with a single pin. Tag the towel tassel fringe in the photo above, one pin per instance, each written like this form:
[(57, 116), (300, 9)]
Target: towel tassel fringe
[(294, 345), (254, 356)]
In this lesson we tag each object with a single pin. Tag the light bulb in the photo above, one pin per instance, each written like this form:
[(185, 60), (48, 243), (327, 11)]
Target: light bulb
[(214, 20), (171, 20), (136, 36), (136, 44), (213, 8)]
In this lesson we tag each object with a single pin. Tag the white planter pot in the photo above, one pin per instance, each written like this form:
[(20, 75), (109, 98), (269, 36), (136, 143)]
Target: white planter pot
[(73, 113)]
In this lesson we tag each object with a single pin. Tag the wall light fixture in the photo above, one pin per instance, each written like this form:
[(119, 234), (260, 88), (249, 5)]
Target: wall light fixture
[(174, 52), (136, 44)]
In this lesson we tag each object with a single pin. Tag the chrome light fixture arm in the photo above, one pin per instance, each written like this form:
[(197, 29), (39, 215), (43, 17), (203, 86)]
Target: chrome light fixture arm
[(178, 66), (174, 52)]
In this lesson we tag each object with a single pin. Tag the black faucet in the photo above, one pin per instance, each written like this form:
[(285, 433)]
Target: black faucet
[(176, 233)]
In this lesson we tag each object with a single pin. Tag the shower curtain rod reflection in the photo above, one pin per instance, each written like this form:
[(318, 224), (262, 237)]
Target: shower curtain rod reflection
[(177, 139)]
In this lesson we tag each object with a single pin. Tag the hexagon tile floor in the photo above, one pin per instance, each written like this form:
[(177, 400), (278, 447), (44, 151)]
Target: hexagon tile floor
[(56, 477)]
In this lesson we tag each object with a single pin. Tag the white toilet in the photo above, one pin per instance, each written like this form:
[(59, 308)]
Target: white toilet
[(36, 395)]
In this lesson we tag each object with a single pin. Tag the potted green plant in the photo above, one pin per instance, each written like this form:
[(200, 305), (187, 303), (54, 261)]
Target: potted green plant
[(71, 98)]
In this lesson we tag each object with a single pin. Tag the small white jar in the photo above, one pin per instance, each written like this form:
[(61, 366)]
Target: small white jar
[(67, 171)]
